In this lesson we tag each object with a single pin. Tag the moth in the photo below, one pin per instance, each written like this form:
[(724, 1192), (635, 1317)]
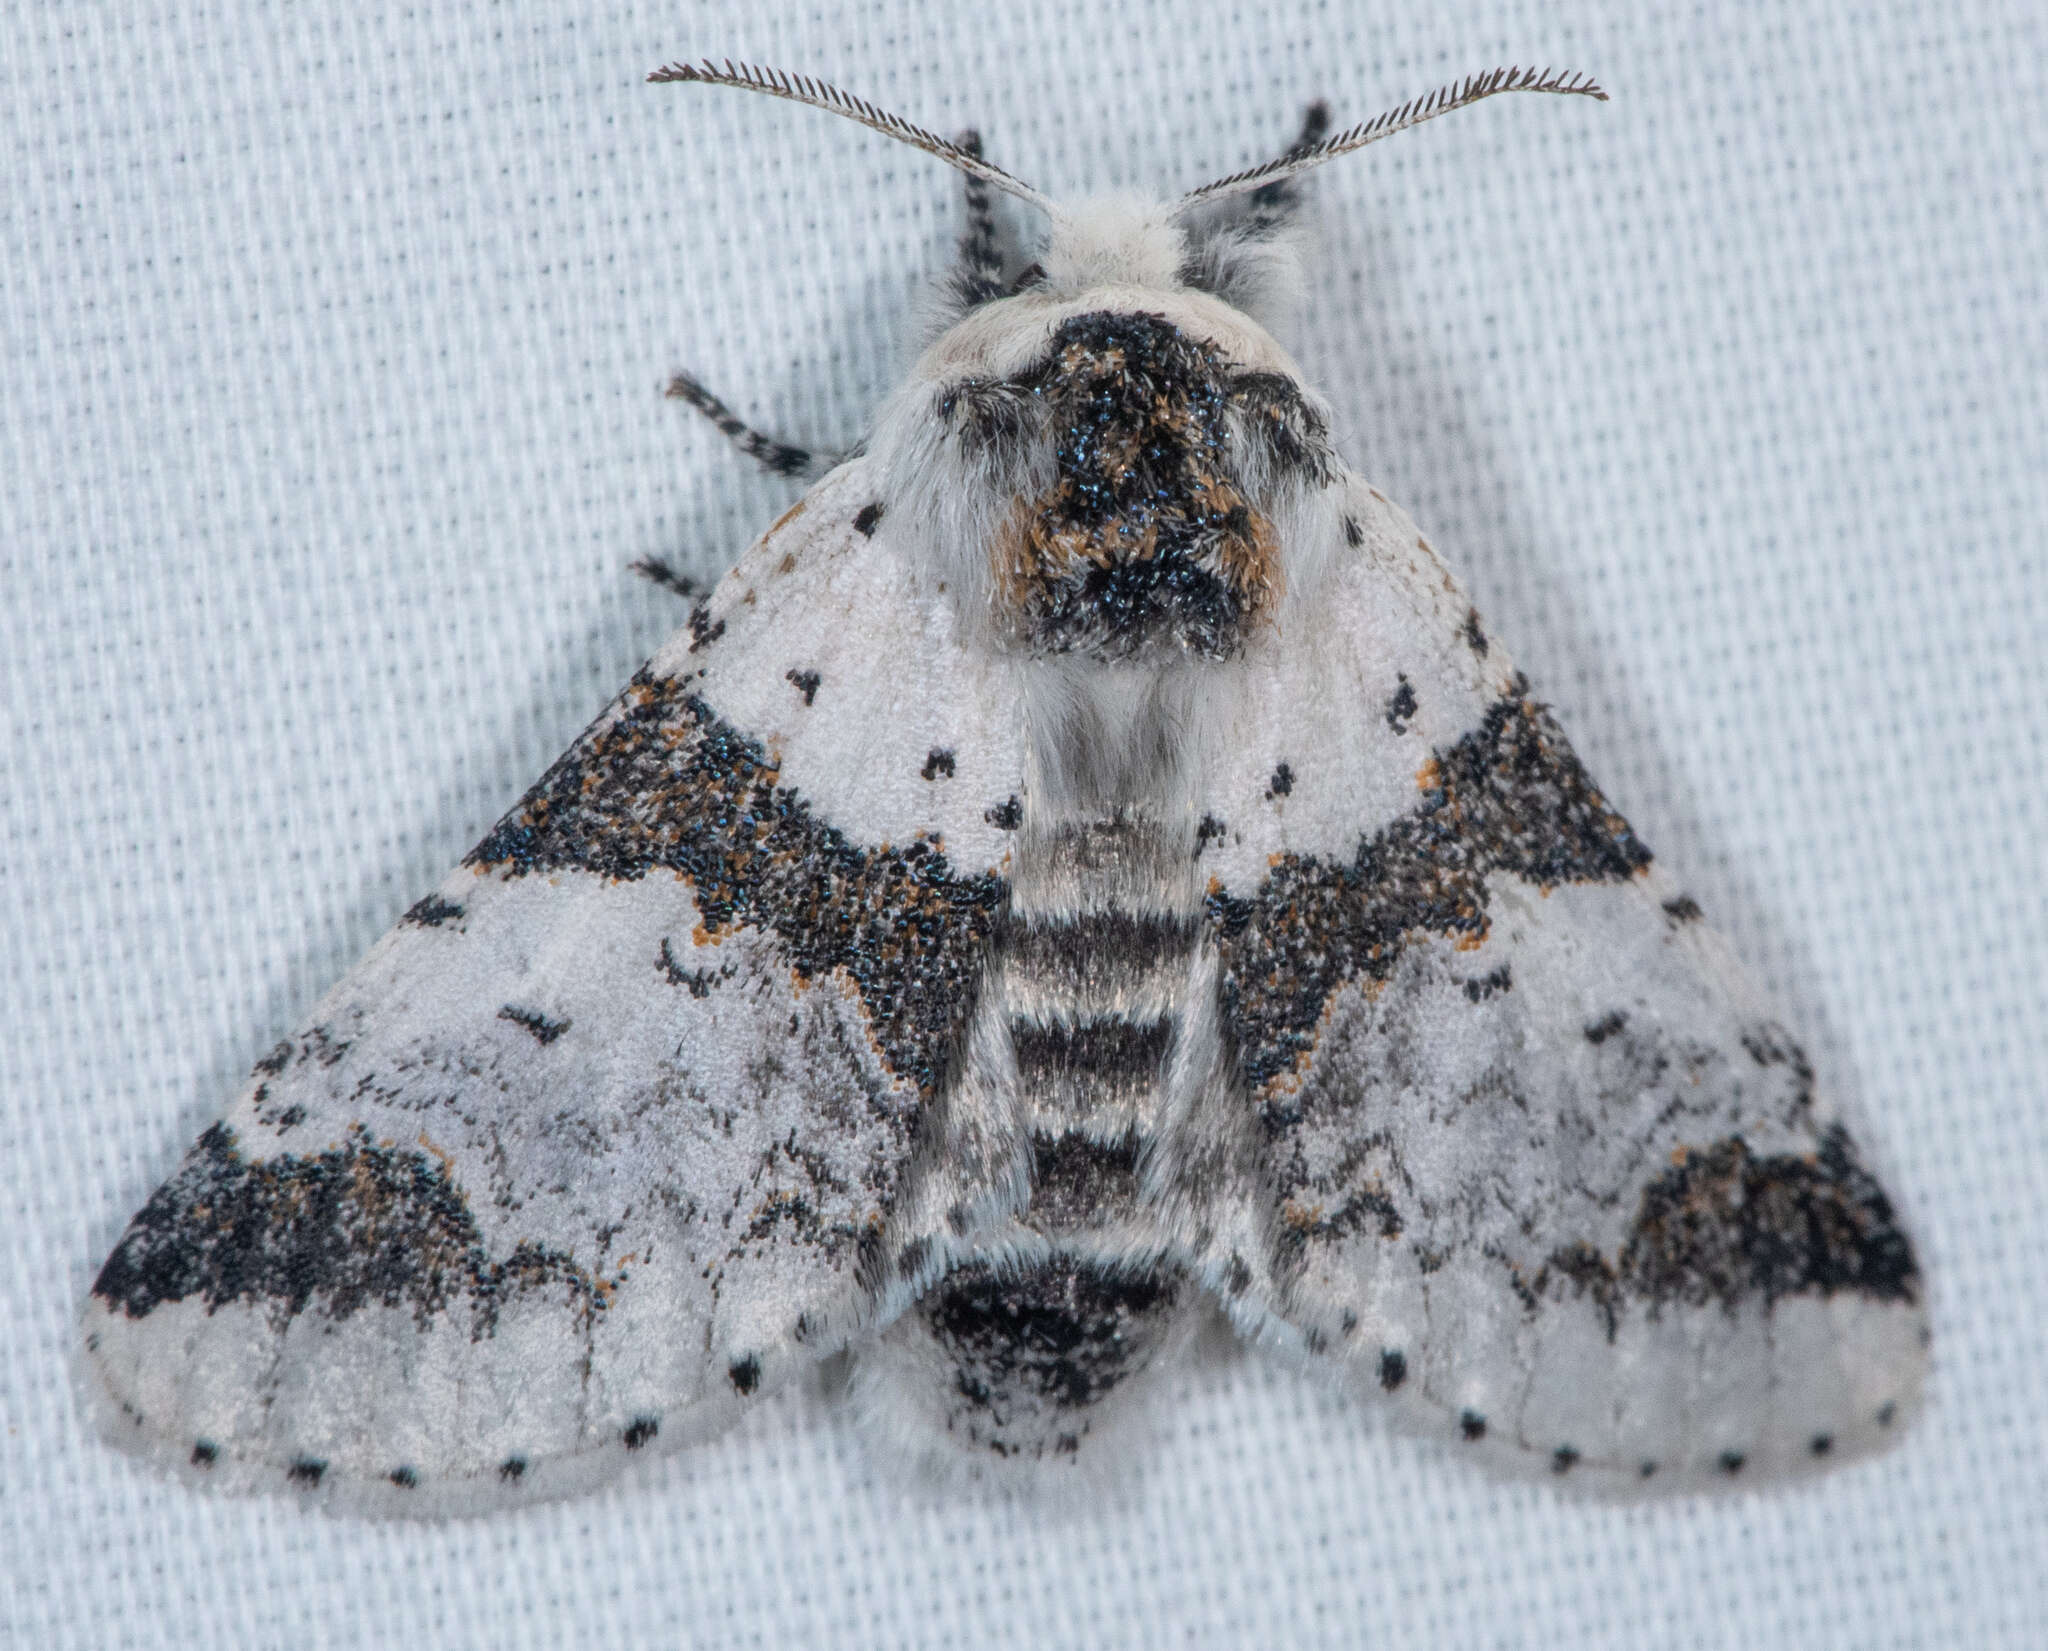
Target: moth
[(1087, 869)]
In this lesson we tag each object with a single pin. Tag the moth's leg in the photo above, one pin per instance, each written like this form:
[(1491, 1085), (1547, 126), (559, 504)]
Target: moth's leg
[(1272, 208), (764, 450), (978, 274), (657, 572)]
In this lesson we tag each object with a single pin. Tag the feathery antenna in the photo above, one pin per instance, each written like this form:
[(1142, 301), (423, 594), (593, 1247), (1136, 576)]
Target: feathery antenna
[(816, 93), (1439, 102)]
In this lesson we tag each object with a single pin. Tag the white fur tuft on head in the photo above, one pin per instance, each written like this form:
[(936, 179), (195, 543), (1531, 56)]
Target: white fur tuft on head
[(1113, 240)]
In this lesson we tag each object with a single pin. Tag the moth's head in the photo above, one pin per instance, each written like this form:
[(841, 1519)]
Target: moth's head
[(1255, 264), (1109, 240)]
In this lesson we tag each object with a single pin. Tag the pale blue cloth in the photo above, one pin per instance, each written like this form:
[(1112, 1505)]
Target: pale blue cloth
[(333, 355)]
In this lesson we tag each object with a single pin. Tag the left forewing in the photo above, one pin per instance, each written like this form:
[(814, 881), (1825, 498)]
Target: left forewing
[(1545, 1166), (601, 1141)]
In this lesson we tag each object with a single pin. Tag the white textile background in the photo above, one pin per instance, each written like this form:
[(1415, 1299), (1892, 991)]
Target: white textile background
[(334, 336)]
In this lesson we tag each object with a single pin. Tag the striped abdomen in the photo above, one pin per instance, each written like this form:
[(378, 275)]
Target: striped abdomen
[(1092, 987)]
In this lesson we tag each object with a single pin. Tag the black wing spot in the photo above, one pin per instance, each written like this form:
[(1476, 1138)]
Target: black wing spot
[(916, 1256), (804, 682), (698, 981), (1207, 832), (204, 1453), (1490, 985), (512, 1469), (704, 630), (665, 786), (1005, 816), (1475, 638), (1730, 1462), (306, 1470), (432, 912), (869, 519), (1887, 1413), (938, 763), (276, 1061), (1599, 1031), (1354, 535), (1402, 707), (639, 1431), (1684, 909), (1564, 1459), (1473, 1426), (1723, 1224), (1281, 783), (1821, 1444), (544, 1031), (744, 1374), (403, 1478), (1393, 1368)]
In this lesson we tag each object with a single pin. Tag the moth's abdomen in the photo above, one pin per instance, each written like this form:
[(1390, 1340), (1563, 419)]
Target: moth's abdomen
[(1092, 976), (1016, 1363), (1098, 988)]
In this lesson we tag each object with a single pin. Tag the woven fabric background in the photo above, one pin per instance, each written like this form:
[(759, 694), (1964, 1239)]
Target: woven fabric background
[(334, 338)]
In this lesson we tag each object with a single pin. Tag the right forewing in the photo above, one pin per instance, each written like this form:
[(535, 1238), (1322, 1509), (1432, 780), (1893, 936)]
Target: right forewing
[(1544, 1164)]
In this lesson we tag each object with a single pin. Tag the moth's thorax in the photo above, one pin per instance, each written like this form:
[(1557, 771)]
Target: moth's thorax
[(1143, 451)]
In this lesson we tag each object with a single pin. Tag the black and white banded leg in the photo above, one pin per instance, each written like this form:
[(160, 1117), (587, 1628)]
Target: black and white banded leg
[(1272, 208), (764, 450), (978, 272)]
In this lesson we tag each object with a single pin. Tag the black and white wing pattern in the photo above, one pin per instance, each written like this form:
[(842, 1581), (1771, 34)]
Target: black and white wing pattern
[(1545, 1166), (601, 1140)]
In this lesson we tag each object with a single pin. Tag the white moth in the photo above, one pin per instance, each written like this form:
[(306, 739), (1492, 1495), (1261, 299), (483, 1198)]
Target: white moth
[(1086, 869)]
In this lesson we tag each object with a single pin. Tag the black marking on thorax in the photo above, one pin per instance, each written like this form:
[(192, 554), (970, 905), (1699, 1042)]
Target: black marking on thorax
[(1150, 533)]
